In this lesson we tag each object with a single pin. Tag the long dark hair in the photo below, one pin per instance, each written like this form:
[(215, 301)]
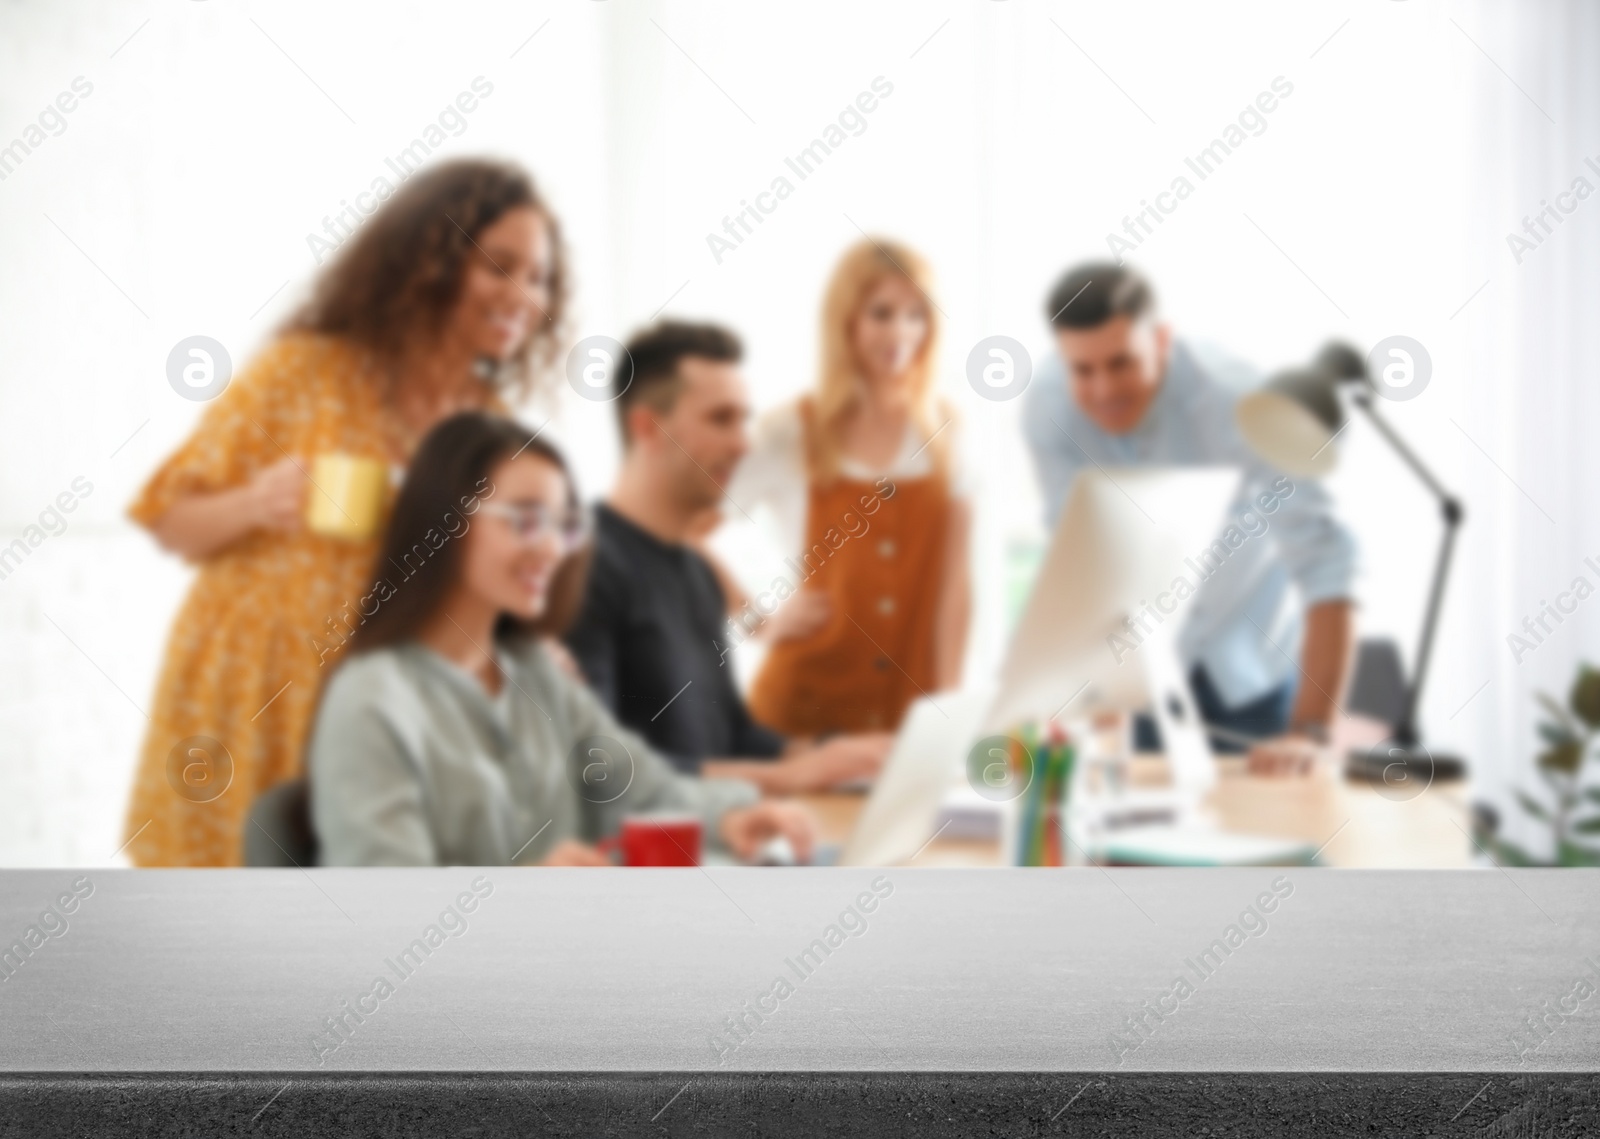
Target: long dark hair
[(422, 549), (401, 273)]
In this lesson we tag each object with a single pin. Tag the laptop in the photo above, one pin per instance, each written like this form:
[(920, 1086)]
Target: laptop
[(928, 756)]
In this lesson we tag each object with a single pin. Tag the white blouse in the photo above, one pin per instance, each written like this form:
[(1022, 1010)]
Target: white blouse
[(773, 474)]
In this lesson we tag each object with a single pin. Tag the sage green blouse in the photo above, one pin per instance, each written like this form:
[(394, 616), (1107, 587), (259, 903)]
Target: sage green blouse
[(413, 763)]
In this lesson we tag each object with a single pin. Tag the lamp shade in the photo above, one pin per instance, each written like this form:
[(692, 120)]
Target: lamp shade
[(1291, 422)]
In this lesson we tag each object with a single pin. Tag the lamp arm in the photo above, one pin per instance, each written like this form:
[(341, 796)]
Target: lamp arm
[(1406, 733), (1363, 400)]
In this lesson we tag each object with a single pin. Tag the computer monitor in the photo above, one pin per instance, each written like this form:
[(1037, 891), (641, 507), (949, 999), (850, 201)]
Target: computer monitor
[(1124, 541), (1122, 538)]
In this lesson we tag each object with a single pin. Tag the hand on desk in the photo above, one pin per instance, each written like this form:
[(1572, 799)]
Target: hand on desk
[(842, 759), (744, 829), (809, 767), (1286, 755), (570, 852)]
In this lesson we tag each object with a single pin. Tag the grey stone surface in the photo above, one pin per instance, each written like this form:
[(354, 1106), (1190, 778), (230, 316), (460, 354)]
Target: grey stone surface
[(618, 971), (1150, 1105)]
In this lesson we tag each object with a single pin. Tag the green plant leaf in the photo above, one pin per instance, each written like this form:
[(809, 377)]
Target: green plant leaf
[(1504, 853), (1571, 854), (1532, 806), (1587, 826), (1592, 794), (1585, 696), (1556, 734), (1562, 716), (1563, 757)]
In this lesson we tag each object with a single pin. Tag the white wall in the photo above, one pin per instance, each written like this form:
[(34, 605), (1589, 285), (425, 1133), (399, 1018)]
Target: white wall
[(1016, 138)]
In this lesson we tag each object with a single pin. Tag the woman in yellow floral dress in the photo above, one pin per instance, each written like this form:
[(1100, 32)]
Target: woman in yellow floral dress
[(449, 297)]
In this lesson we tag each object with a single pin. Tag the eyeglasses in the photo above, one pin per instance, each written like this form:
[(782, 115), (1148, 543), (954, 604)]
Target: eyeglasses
[(533, 521)]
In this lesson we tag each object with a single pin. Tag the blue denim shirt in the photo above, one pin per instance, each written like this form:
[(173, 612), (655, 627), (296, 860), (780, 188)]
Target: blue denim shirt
[(1242, 624)]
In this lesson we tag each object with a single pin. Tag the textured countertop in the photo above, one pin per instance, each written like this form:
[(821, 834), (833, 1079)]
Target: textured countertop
[(951, 971)]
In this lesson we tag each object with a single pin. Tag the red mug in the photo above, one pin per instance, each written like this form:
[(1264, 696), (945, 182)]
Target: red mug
[(657, 840)]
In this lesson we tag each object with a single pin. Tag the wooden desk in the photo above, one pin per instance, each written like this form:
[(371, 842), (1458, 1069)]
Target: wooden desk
[(1360, 827)]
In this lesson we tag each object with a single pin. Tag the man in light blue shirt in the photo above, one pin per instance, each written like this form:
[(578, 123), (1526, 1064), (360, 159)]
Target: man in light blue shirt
[(1123, 392)]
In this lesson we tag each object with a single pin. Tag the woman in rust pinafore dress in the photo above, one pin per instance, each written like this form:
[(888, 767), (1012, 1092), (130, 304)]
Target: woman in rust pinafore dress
[(860, 474)]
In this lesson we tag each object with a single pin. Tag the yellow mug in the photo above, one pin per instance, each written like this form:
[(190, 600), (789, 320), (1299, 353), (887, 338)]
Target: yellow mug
[(346, 497)]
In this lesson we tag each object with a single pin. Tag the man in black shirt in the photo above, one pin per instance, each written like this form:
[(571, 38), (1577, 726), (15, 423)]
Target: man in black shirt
[(650, 636)]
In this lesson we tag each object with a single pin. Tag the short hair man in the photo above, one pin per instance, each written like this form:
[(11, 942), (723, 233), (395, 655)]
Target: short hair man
[(648, 639), (1122, 391)]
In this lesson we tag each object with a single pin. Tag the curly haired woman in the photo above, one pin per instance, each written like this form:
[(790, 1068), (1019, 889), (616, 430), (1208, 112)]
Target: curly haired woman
[(449, 296)]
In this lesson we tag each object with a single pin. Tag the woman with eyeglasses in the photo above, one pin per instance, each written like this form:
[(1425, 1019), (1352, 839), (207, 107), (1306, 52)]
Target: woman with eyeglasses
[(449, 298), (450, 735)]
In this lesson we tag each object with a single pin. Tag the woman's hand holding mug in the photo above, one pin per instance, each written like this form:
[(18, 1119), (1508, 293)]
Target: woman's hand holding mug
[(275, 499)]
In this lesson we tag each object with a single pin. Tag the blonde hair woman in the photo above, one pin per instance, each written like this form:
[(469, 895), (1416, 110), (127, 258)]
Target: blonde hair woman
[(862, 476)]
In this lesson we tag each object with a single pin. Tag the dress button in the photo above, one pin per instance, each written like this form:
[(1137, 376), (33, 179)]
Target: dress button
[(886, 548), (886, 605), (874, 720), (881, 664)]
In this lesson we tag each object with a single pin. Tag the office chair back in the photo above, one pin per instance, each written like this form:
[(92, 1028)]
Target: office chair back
[(1378, 684), (278, 831)]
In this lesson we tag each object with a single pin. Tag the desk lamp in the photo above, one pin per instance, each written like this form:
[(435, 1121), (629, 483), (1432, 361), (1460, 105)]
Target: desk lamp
[(1293, 423)]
